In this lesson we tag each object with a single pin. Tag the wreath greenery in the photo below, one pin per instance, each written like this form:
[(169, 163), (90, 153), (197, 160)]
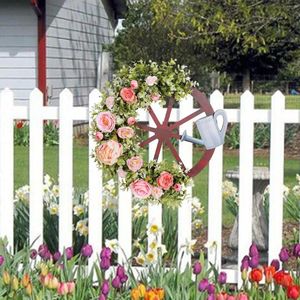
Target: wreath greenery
[(118, 138)]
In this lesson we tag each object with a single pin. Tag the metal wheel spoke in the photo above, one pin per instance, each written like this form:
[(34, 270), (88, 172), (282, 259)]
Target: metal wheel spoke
[(153, 116), (175, 154), (145, 127), (148, 141), (186, 119), (168, 112), (158, 149)]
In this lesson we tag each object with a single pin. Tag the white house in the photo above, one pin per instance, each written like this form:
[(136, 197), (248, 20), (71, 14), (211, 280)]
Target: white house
[(56, 44)]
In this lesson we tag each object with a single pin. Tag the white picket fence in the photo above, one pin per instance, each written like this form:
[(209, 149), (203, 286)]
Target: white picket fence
[(36, 113)]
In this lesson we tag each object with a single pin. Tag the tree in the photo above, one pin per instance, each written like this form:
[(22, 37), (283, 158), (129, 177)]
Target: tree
[(142, 39), (248, 36)]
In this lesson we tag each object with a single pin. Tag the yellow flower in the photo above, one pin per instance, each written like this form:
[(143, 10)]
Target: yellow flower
[(15, 283), (25, 280), (140, 259), (138, 292), (6, 278), (29, 289)]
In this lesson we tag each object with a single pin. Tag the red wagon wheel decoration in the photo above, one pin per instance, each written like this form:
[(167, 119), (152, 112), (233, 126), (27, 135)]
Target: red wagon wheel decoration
[(165, 131)]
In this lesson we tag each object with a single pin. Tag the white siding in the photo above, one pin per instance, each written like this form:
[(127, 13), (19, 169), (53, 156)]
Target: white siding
[(18, 47), (76, 30)]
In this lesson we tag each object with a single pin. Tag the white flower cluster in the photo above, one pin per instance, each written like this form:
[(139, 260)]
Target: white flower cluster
[(229, 191), (296, 188), (155, 249)]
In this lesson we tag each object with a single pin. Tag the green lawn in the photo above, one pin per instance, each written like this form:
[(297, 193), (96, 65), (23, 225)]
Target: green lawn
[(261, 101), (292, 167)]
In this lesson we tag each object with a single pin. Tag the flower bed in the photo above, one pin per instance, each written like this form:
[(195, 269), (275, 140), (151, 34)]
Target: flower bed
[(40, 274)]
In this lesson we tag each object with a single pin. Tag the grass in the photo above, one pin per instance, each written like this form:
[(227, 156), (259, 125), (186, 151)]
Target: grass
[(231, 160), (262, 101)]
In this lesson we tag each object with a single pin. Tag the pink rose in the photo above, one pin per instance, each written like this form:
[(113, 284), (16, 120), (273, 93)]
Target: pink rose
[(109, 152), (109, 102), (106, 121), (151, 80), (128, 95), (131, 121), (134, 163), (134, 84), (98, 136), (141, 189), (165, 180), (121, 173), (155, 97), (156, 192), (177, 187), (125, 132)]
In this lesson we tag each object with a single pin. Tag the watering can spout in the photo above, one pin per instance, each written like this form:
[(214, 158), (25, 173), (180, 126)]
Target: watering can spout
[(190, 139)]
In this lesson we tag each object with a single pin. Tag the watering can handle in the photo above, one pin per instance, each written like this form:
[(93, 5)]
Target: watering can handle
[(221, 112)]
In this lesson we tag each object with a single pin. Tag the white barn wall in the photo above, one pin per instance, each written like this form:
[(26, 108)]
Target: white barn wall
[(18, 48), (76, 29)]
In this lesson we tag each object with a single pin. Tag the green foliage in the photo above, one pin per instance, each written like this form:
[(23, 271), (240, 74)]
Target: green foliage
[(21, 133), (143, 39), (236, 35)]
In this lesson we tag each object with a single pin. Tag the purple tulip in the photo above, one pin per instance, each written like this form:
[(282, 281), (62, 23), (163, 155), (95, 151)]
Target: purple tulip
[(211, 297), (43, 250), (253, 251), (276, 264), (116, 283), (245, 263), (124, 279), (105, 263), (56, 256), (105, 287), (47, 255), (105, 252), (102, 297), (203, 284), (211, 289), (69, 253), (87, 250), (120, 271), (296, 250), (222, 278), (1, 260), (197, 268), (254, 262), (33, 254), (284, 254)]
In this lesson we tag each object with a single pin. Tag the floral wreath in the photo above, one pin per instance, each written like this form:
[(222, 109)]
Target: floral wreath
[(118, 139)]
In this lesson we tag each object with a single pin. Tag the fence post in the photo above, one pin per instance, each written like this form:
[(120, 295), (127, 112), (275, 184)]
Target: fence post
[(7, 167), (155, 210), (246, 176), (36, 167), (276, 175), (95, 190), (185, 210), (65, 169), (215, 177)]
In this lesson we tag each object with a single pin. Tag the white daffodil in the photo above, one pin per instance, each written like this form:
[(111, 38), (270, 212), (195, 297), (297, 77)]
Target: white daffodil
[(55, 190), (296, 190), (140, 259), (82, 228), (189, 246), (22, 194), (78, 210), (229, 190), (162, 249), (53, 208), (197, 223), (112, 244), (154, 229), (210, 244), (151, 257), (47, 181)]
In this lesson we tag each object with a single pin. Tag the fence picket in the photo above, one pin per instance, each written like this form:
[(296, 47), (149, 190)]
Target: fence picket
[(276, 175), (95, 191), (215, 177), (124, 225), (155, 210), (7, 167), (185, 211), (36, 167), (65, 169), (246, 176)]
